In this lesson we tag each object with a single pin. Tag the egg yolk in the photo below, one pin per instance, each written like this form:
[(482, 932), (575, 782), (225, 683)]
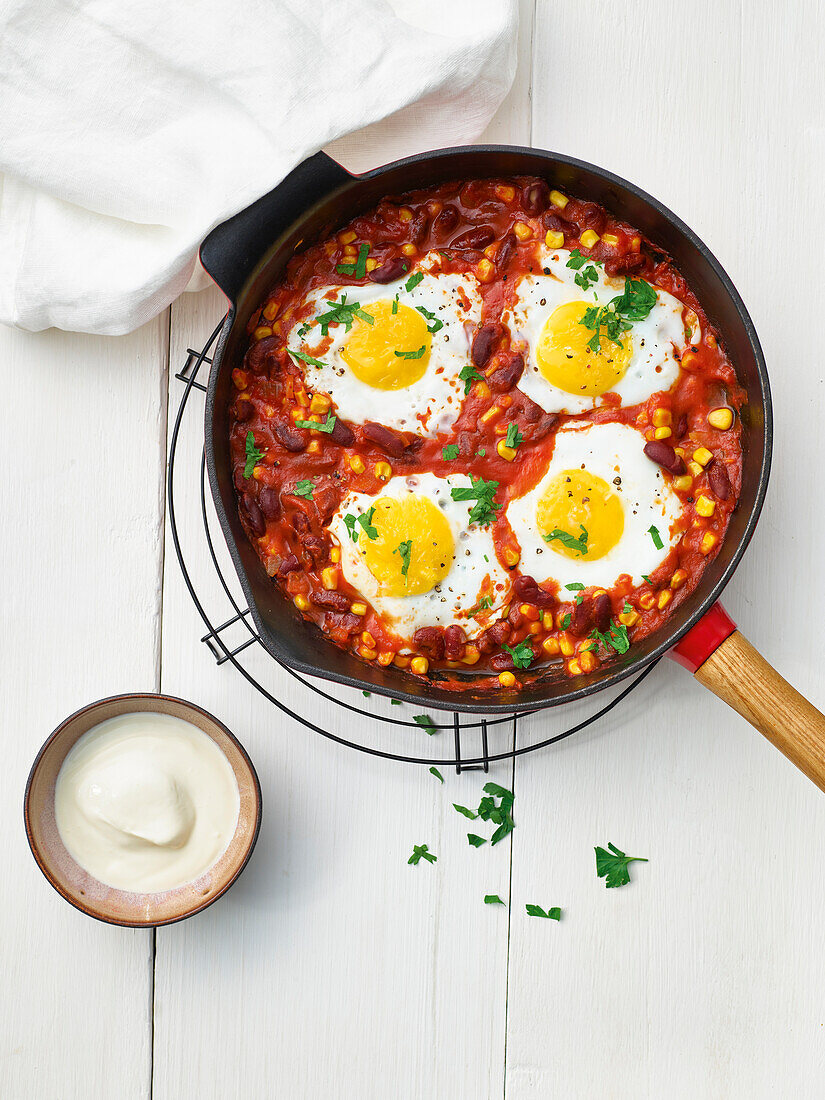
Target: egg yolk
[(576, 499), (414, 547), (567, 362), (393, 351)]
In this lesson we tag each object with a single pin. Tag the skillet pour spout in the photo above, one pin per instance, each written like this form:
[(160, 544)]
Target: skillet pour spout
[(247, 254)]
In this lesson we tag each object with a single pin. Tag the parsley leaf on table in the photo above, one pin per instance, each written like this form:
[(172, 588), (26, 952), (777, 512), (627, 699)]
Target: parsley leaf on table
[(425, 721), (421, 851), (434, 771), (492, 899), (253, 455), (465, 811), (475, 841), (612, 866), (548, 914)]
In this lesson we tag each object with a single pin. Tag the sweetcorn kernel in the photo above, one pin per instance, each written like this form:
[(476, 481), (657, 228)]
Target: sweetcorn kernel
[(302, 397), (349, 252), (530, 611), (258, 472), (589, 238), (371, 266), (347, 237), (271, 311), (720, 418), (314, 447), (689, 360), (588, 661), (367, 639), (367, 653), (505, 452), (574, 668), (329, 578), (534, 628), (401, 661), (383, 471), (702, 455), (359, 609), (301, 602), (664, 599), (611, 239), (683, 484), (507, 679), (678, 578), (553, 239), (335, 554), (405, 214), (629, 618), (662, 418), (485, 270), (419, 665), (506, 192), (385, 657), (481, 389), (559, 200), (491, 414), (695, 469), (550, 646), (635, 244), (511, 557), (240, 378), (566, 645), (471, 655), (547, 620), (320, 403), (522, 231), (646, 601), (409, 249), (705, 506), (662, 433), (356, 464), (708, 542), (261, 332)]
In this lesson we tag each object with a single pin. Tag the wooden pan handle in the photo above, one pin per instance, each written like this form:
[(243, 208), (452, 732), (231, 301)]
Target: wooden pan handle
[(742, 677)]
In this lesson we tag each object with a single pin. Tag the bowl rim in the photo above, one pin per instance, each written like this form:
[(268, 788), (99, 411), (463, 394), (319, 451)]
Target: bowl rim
[(127, 697)]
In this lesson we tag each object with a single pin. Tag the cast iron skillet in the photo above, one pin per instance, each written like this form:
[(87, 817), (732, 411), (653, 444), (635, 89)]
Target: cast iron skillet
[(246, 255)]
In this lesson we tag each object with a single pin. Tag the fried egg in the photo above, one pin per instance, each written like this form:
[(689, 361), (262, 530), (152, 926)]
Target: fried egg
[(413, 554), (600, 510), (397, 350), (563, 371)]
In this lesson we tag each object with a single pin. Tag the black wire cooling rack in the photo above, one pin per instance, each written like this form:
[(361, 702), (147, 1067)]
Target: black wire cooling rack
[(222, 622)]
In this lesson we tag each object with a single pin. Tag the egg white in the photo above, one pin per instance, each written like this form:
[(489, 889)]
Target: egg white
[(447, 603), (611, 451), (429, 405), (653, 367)]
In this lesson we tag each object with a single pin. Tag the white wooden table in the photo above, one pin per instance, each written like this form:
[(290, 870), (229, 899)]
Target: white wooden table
[(333, 969)]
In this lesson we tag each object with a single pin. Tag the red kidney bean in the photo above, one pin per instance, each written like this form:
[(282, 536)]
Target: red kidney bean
[(477, 238), (505, 252), (390, 270), (325, 499), (664, 455), (385, 438), (494, 636), (254, 515), (342, 623), (342, 434), (681, 428), (528, 591), (300, 521), (536, 197), (244, 410), (502, 662), (454, 641), (289, 565), (418, 227), (239, 479), (431, 640), (602, 610), (315, 549), (483, 343), (445, 222), (546, 424), (291, 439), (508, 375), (330, 601), (555, 221), (630, 264), (270, 502), (581, 619), (588, 216), (514, 616), (261, 356), (719, 480)]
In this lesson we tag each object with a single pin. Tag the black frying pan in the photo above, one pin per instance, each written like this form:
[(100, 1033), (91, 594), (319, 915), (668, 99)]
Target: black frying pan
[(247, 254)]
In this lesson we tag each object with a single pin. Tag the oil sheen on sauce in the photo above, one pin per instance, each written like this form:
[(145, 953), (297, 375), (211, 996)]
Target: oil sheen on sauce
[(146, 802)]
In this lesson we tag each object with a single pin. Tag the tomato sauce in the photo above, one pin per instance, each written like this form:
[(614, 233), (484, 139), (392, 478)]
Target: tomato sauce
[(490, 229)]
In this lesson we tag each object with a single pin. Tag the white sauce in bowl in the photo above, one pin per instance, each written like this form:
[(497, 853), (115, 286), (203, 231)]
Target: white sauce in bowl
[(146, 802)]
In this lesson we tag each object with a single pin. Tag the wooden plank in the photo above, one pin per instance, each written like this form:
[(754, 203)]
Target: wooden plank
[(83, 451), (703, 977), (333, 968)]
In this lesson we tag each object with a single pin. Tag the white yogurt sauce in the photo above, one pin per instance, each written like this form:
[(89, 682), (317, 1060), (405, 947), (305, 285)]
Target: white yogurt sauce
[(146, 802)]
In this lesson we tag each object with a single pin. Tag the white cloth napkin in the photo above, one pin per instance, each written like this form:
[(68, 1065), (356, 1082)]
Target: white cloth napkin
[(128, 128)]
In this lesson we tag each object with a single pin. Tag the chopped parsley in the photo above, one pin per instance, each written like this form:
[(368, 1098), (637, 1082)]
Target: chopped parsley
[(565, 622), (483, 604), (421, 851), (475, 841), (553, 913), (449, 452), (612, 866), (645, 577), (500, 814), (483, 493), (395, 305), (405, 550), (413, 281), (513, 437), (434, 771), (304, 329), (522, 654), (435, 324), (481, 452), (633, 304), (306, 358), (572, 543), (586, 275), (253, 455), (468, 374), (574, 587), (492, 899), (425, 721), (304, 488), (412, 354), (465, 811), (365, 520), (342, 313), (657, 538), (359, 268), (313, 425), (615, 637)]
